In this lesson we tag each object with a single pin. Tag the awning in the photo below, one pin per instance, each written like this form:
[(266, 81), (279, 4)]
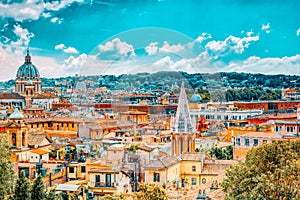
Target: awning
[(67, 187)]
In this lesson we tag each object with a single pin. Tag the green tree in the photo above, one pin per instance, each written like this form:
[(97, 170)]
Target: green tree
[(22, 188), (113, 197), (7, 174), (51, 195), (270, 171), (38, 189), (151, 191), (221, 153)]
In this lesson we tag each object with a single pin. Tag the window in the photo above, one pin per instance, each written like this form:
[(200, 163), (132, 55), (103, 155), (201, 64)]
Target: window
[(82, 169), (203, 181), (97, 179), (255, 142), (156, 177), (71, 170), (246, 142), (238, 141), (194, 181), (193, 168)]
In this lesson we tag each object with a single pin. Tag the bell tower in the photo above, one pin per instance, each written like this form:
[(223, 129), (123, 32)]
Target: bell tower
[(17, 130), (182, 127)]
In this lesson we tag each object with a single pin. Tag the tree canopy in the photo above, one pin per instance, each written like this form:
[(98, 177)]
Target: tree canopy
[(22, 188), (7, 173), (150, 191), (270, 171), (38, 189)]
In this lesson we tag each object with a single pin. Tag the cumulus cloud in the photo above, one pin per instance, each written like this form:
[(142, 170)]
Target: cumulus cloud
[(33, 9), (152, 48), (230, 45), (117, 48), (200, 63), (74, 63), (23, 34), (266, 27), (70, 50), (166, 48), (255, 64), (298, 32), (204, 36)]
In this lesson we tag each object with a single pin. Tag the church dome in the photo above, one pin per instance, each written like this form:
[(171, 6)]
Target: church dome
[(196, 98), (28, 70)]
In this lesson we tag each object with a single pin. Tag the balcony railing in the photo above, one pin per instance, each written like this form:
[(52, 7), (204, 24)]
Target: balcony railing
[(104, 184)]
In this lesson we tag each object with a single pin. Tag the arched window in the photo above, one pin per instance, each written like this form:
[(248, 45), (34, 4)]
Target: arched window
[(23, 139), (13, 139)]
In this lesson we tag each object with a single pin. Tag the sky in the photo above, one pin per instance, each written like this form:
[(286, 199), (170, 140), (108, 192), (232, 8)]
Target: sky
[(68, 37)]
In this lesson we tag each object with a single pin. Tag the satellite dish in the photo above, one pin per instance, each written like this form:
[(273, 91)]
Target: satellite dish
[(36, 146)]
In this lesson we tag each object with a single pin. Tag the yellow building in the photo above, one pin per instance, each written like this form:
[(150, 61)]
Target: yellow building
[(105, 179)]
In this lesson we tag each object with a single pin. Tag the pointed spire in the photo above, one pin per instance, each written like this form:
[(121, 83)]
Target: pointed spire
[(27, 57), (183, 122)]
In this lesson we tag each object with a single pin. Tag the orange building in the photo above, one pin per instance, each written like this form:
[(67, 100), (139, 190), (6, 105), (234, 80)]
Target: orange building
[(267, 105)]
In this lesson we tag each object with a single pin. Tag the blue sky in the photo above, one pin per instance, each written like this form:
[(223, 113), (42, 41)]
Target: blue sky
[(113, 37)]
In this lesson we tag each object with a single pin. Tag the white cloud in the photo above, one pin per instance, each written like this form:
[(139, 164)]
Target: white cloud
[(46, 14), (23, 36), (70, 50), (200, 63), (298, 32), (152, 48), (250, 33), (204, 36), (255, 64), (116, 46), (164, 62), (59, 46), (231, 44), (266, 27), (75, 63), (56, 20), (33, 9), (167, 48)]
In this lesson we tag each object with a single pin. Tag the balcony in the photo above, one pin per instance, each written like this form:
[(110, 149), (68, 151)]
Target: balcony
[(104, 185)]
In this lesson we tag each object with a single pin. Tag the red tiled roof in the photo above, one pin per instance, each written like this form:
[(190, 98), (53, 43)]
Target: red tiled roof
[(13, 95)]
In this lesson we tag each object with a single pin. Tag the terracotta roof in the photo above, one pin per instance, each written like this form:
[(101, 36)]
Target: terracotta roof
[(192, 156), (46, 95), (162, 163), (258, 134), (36, 139), (214, 168), (145, 148), (101, 170), (11, 96), (39, 151)]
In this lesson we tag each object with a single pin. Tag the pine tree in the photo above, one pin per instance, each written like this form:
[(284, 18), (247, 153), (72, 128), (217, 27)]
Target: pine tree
[(38, 189), (7, 174), (22, 188), (51, 195)]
